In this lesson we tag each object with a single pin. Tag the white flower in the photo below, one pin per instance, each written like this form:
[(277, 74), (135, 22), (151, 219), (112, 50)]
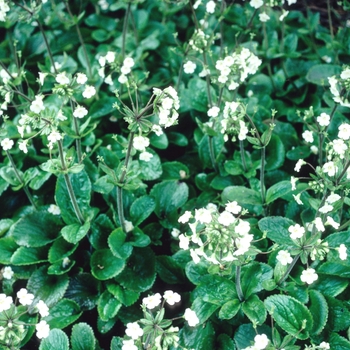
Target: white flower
[(242, 228), (109, 80), (152, 301), (60, 116), (140, 143), (189, 67), (293, 181), (204, 73), (342, 252), (233, 207), (226, 218), (326, 209), (196, 259), (65, 262), (42, 308), (291, 2), (42, 77), (129, 345), (128, 226), (296, 231), (146, 156), (332, 198), (319, 224), (54, 209), (7, 272), (191, 317), (61, 78), (323, 119), (167, 103), (110, 57), (344, 131), (210, 7), (54, 136), (157, 129), (89, 91), (185, 217), (261, 341), (102, 61), (175, 232), (264, 17), (125, 70), (324, 346), (7, 144), (339, 147), (299, 164), (22, 145), (213, 111), (42, 329), (329, 168), (314, 149), (308, 136), (5, 302), (171, 297), (284, 257), (24, 297), (203, 215), (331, 222), (133, 330), (37, 105), (309, 276), (283, 15), (297, 199), (184, 242), (345, 74), (122, 79), (256, 3), (80, 112), (128, 62), (81, 78)]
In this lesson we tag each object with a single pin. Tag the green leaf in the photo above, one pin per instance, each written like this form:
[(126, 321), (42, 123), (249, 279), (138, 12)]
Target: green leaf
[(104, 265), (335, 269), (290, 314), (5, 224), (203, 309), (141, 209), (101, 227), (160, 142), (82, 189), (339, 315), (275, 153), (319, 73), (229, 309), (244, 336), (36, 229), (174, 171), (101, 107), (64, 313), (57, 340), (61, 249), (278, 190), (178, 139), (338, 342), (197, 94), (29, 256), (255, 310), (241, 194), (138, 239), (116, 343), (224, 342), (169, 270), (139, 274), (319, 311), (198, 337), (82, 337), (49, 288), (126, 297), (330, 285), (84, 290), (277, 229), (9, 175), (7, 247), (75, 232), (195, 272), (107, 306), (169, 196), (152, 169), (39, 180), (117, 244)]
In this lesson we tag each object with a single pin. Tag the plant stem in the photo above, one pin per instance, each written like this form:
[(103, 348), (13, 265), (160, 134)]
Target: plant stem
[(262, 174), (238, 284), (80, 39), (125, 27), (290, 268), (241, 148), (78, 140), (19, 178), (71, 193), (120, 207), (47, 46)]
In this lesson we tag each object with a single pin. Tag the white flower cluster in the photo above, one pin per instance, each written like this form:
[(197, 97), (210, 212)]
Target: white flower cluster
[(128, 63), (338, 87), (9, 325), (218, 237), (234, 69), (4, 7), (199, 40)]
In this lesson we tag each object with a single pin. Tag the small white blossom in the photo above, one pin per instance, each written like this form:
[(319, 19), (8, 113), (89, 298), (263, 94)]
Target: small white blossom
[(54, 136), (129, 345), (61, 78), (42, 329), (345, 74), (309, 276), (226, 218), (133, 330), (189, 67), (342, 252), (37, 105), (329, 168), (344, 131), (326, 209), (324, 346), (128, 62), (256, 3), (152, 301), (42, 77), (122, 79), (323, 119), (299, 164), (22, 145), (203, 215), (110, 57), (24, 297), (146, 156), (42, 308), (213, 111), (54, 209), (210, 6), (308, 136), (264, 17), (81, 78), (80, 112), (185, 217), (191, 317), (283, 15), (184, 242), (140, 143), (128, 226), (319, 224), (233, 207), (330, 221), (284, 257), (171, 297), (242, 228), (297, 199), (296, 231), (102, 61), (7, 144), (5, 302), (89, 91), (332, 198), (261, 341), (7, 272), (175, 232)]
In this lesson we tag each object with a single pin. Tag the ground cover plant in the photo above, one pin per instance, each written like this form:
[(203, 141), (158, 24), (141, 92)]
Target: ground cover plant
[(174, 174)]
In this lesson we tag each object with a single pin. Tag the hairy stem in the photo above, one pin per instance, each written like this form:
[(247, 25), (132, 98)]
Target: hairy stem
[(125, 27), (78, 140), (290, 268), (19, 178), (238, 284)]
